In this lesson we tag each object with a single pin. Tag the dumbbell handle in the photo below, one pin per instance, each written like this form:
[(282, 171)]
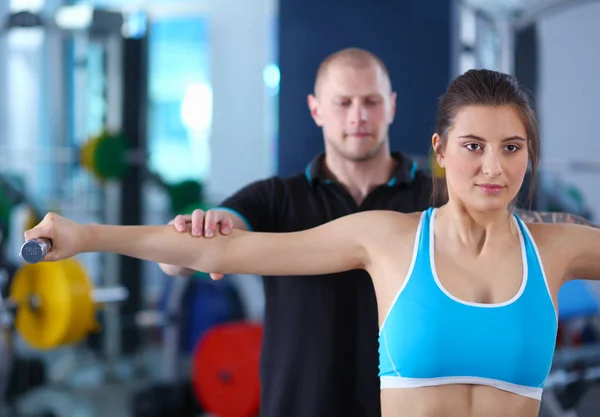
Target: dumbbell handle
[(34, 250)]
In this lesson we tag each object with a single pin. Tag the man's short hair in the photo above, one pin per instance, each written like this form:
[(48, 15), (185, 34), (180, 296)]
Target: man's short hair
[(353, 57)]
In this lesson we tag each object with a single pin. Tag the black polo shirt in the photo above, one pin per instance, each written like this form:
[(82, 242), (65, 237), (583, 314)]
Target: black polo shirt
[(320, 346)]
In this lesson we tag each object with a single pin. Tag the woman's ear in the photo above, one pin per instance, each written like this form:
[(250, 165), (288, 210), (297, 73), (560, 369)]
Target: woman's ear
[(436, 142)]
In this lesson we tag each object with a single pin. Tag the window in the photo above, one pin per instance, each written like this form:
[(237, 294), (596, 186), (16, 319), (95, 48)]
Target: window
[(180, 98)]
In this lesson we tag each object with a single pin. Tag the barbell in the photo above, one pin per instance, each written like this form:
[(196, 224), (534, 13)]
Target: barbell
[(107, 157), (55, 302)]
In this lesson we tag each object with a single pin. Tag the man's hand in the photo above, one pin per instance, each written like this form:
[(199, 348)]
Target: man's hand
[(205, 225)]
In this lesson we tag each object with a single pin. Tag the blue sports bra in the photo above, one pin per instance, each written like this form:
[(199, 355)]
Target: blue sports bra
[(429, 337)]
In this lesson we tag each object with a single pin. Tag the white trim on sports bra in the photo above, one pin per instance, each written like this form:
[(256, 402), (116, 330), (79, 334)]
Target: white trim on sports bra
[(513, 299), (401, 382), (410, 269)]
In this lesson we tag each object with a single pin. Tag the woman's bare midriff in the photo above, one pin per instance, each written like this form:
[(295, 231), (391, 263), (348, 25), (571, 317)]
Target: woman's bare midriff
[(456, 401)]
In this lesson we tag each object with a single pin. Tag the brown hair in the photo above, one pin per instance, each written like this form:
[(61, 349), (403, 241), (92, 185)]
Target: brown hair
[(485, 88)]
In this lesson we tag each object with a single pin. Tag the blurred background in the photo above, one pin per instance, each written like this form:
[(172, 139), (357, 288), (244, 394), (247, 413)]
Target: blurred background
[(132, 111)]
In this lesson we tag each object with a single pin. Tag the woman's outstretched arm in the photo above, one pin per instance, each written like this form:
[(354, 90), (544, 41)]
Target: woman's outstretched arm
[(581, 250), (340, 245)]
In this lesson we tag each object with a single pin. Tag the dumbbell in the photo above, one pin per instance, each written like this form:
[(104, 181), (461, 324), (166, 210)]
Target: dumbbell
[(55, 302), (35, 250)]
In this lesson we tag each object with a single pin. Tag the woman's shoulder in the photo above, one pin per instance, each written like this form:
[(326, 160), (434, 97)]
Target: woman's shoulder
[(553, 231), (389, 220), (545, 223)]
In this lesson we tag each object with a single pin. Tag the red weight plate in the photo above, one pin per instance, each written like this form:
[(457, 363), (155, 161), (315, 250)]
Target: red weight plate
[(225, 370)]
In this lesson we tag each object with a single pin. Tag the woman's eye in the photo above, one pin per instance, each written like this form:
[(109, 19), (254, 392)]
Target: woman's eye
[(473, 146)]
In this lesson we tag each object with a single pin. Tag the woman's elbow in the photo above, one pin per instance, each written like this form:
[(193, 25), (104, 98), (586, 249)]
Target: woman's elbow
[(209, 260), (206, 264), (227, 254)]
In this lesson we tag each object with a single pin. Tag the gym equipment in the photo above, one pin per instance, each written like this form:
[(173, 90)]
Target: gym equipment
[(172, 395), (12, 195), (98, 21), (156, 401), (7, 366), (184, 195), (64, 401), (189, 308), (54, 301), (576, 300), (165, 399), (109, 46), (575, 368), (33, 251), (5, 213), (26, 374), (203, 304), (225, 370), (106, 156), (436, 170), (556, 195)]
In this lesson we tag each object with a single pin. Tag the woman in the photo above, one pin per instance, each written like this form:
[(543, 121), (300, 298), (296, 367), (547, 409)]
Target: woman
[(466, 293)]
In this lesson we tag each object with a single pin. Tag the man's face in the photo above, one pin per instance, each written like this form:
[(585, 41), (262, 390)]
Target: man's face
[(354, 107)]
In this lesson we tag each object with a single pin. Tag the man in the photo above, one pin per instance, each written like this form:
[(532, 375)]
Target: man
[(319, 356), (320, 350)]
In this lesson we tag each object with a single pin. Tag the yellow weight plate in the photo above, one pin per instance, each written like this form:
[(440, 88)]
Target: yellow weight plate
[(83, 318), (77, 321), (46, 327), (436, 170), (87, 153), (31, 220), (84, 152)]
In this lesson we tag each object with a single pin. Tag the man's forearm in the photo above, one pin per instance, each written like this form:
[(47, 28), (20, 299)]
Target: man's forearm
[(553, 217)]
